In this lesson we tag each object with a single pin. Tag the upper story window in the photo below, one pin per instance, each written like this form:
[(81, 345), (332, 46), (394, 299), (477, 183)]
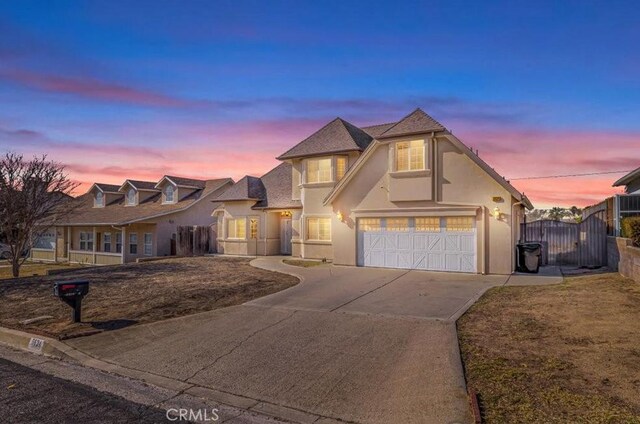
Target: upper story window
[(99, 199), (131, 197), (319, 170), (325, 170), (341, 167), (169, 194), (410, 156)]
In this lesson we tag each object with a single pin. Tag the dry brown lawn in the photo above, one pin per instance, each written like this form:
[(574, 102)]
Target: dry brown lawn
[(556, 354), (137, 293), (29, 269)]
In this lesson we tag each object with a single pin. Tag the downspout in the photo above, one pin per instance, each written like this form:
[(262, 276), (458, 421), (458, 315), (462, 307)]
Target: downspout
[(266, 228)]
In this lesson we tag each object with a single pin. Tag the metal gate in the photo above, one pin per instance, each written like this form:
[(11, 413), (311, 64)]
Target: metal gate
[(567, 243)]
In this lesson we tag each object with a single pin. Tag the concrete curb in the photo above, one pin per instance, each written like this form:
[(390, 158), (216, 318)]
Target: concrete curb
[(59, 350)]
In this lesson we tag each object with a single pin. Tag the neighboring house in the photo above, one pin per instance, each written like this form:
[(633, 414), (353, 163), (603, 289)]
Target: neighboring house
[(620, 205), (118, 224), (407, 194)]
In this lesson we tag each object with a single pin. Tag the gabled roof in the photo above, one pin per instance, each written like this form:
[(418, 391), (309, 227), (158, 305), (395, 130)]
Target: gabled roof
[(337, 136), (105, 188), (248, 188), (414, 123), (628, 178), (277, 189), (182, 182), (140, 185), (116, 213), (376, 130), (475, 158)]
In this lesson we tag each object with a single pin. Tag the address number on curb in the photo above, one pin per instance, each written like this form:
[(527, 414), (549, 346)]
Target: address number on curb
[(35, 344)]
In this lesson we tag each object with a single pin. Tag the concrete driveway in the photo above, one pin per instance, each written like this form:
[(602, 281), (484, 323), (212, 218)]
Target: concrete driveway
[(351, 344)]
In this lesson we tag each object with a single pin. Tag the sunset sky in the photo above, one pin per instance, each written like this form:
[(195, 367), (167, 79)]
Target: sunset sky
[(139, 89)]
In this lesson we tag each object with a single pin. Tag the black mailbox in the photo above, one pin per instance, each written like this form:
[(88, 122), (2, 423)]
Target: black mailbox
[(71, 293)]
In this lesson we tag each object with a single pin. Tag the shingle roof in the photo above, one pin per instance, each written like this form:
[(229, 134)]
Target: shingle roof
[(107, 188), (277, 186), (248, 188), (117, 213), (142, 185), (416, 122), (337, 136), (628, 178), (186, 182), (377, 130)]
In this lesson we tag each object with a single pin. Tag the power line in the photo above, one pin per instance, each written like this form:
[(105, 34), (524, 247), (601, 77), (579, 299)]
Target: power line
[(570, 175)]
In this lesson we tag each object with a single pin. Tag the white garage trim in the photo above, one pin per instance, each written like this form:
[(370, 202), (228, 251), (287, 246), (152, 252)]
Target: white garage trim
[(433, 243)]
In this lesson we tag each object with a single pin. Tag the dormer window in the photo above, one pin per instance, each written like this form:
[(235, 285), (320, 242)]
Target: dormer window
[(99, 199), (169, 194), (131, 197), (410, 156)]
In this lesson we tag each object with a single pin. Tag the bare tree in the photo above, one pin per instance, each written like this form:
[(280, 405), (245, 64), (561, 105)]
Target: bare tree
[(34, 196)]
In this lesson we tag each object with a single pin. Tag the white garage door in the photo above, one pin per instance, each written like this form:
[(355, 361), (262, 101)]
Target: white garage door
[(429, 243)]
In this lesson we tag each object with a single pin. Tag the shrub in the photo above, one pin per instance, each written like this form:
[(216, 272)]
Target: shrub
[(631, 229)]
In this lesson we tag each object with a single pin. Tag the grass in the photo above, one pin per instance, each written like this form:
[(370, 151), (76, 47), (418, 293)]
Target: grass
[(135, 293), (29, 269), (556, 354), (302, 263)]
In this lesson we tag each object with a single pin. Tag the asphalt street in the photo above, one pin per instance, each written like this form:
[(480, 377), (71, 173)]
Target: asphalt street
[(30, 396)]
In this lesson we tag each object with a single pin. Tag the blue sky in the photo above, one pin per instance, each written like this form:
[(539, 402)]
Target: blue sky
[(146, 88)]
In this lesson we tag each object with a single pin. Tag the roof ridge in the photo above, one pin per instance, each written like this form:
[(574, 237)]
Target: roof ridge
[(379, 125), (417, 109)]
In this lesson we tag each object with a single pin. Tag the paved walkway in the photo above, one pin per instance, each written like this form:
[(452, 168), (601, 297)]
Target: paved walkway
[(355, 344)]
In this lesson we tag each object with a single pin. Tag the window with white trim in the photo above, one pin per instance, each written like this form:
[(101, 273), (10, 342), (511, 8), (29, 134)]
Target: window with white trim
[(148, 244), (99, 199), (106, 242), (237, 228), (169, 193), (133, 243), (86, 240), (319, 229), (410, 155), (319, 171), (341, 167), (118, 242), (131, 197)]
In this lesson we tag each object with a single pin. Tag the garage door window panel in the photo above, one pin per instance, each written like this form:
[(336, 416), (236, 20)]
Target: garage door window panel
[(398, 224), (369, 224), (428, 224), (459, 224)]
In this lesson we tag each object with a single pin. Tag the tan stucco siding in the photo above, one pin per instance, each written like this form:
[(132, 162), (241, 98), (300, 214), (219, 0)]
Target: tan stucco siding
[(459, 186)]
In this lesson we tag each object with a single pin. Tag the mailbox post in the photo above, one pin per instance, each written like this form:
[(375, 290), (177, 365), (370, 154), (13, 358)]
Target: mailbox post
[(71, 293)]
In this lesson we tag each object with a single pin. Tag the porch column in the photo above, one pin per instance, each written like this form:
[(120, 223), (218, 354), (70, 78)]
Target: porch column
[(55, 244), (68, 243), (95, 242), (124, 243)]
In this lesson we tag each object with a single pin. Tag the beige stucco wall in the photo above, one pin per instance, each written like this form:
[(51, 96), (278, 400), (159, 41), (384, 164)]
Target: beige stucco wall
[(268, 242), (456, 185)]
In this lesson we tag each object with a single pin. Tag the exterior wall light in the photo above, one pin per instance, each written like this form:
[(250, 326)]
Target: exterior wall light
[(340, 216), (497, 214), (285, 214)]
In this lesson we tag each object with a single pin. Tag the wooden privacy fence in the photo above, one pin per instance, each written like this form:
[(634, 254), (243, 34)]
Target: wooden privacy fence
[(567, 243), (193, 240)]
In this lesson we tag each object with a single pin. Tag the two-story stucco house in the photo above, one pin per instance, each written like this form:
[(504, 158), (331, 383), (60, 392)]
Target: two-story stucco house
[(407, 194), (115, 224)]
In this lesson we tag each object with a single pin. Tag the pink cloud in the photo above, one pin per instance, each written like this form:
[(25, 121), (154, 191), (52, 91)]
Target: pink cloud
[(89, 88)]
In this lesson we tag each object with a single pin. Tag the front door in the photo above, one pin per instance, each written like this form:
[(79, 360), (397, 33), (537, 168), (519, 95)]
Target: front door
[(285, 236)]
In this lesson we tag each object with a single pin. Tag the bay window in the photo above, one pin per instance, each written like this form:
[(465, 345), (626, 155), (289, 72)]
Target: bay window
[(319, 229), (237, 228), (319, 170)]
